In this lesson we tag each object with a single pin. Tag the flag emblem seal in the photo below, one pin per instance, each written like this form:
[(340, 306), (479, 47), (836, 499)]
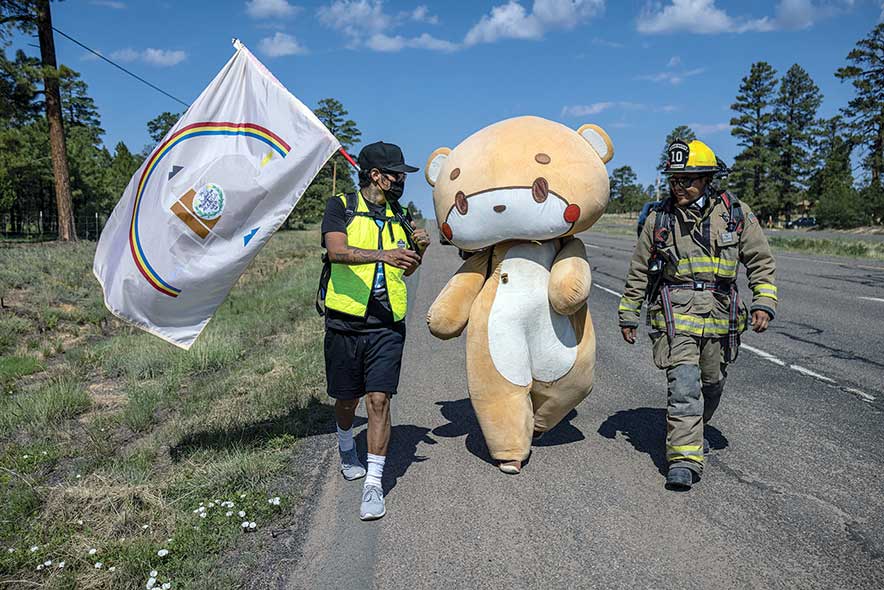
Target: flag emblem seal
[(209, 202)]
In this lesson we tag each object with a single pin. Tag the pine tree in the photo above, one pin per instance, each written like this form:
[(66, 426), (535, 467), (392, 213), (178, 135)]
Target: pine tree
[(331, 112), (865, 112), (753, 126), (793, 138), (159, 126), (682, 132), (78, 108), (335, 177), (831, 185)]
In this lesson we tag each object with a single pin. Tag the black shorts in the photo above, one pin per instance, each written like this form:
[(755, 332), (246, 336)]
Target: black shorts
[(360, 363)]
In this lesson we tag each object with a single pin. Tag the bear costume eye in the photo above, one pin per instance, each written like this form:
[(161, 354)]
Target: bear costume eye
[(460, 201), (540, 189), (542, 158), (454, 174)]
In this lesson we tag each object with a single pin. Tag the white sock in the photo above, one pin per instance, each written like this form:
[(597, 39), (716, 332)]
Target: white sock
[(345, 438), (375, 470)]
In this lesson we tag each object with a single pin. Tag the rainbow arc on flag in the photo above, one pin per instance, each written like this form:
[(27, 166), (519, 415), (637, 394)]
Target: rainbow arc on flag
[(250, 130)]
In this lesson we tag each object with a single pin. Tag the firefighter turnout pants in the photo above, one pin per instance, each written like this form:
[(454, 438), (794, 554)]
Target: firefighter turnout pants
[(695, 371)]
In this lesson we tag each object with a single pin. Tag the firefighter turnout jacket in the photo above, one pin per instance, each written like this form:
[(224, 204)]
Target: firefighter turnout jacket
[(685, 266)]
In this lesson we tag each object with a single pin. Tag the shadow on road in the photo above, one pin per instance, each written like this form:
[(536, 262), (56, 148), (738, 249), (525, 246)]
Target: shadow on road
[(462, 422), (313, 419), (404, 440), (645, 430)]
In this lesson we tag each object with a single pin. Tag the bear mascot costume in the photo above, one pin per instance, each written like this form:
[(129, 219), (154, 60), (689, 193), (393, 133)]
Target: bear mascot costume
[(514, 194)]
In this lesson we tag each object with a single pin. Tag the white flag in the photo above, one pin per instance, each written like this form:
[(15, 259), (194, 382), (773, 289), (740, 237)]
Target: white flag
[(206, 200)]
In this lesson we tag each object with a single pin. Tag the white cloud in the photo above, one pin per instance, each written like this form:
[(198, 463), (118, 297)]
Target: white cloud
[(385, 43), (163, 57), (695, 16), (606, 43), (109, 4), (512, 21), (708, 129), (271, 9), (365, 23), (672, 76), (704, 17), (281, 44), (421, 14), (673, 61), (127, 54), (151, 56), (881, 18), (598, 107), (356, 18)]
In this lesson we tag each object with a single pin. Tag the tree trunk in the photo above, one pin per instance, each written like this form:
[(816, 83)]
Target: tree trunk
[(334, 176), (58, 151)]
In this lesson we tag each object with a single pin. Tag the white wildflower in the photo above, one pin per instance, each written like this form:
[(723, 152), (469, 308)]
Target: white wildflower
[(61, 564), (34, 548), (153, 573), (80, 522), (274, 501), (211, 504), (12, 549), (24, 456), (112, 568), (93, 551), (252, 525), (168, 540), (163, 552), (45, 453), (242, 495), (151, 582), (242, 513), (40, 566), (47, 563), (229, 513), (202, 515), (245, 524), (78, 476), (144, 526), (167, 585), (98, 565)]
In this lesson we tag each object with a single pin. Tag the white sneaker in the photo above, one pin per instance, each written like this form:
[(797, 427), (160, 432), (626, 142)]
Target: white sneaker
[(373, 506), (351, 468)]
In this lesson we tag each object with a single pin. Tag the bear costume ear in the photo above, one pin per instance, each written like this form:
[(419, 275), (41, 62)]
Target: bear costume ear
[(599, 141), (434, 164)]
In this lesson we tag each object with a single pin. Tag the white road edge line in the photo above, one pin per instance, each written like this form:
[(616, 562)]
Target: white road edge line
[(810, 373), (771, 358), (765, 355), (871, 298), (606, 290)]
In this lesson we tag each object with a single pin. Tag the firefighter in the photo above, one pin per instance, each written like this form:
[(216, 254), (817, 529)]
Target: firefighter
[(685, 267)]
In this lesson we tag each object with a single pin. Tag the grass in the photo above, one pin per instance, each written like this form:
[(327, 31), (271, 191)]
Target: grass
[(113, 440), (830, 247)]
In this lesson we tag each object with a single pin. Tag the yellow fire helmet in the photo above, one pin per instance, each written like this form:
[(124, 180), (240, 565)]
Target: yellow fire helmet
[(691, 158)]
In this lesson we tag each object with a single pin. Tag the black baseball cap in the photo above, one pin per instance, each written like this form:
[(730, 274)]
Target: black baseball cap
[(383, 156)]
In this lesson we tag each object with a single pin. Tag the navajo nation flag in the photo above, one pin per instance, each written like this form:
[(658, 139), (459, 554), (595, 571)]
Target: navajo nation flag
[(207, 199)]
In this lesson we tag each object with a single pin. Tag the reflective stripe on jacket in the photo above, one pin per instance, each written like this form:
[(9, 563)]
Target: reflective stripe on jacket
[(349, 287)]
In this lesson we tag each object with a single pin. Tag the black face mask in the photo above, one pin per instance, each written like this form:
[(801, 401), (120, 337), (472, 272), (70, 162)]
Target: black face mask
[(396, 189)]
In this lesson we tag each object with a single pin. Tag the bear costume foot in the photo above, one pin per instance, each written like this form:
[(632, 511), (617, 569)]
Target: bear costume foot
[(511, 467)]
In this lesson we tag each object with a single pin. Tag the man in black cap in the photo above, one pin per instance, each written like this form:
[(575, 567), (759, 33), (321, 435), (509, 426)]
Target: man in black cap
[(372, 245)]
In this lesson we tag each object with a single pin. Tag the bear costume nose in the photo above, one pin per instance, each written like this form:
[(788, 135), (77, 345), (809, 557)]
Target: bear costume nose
[(540, 189), (499, 208)]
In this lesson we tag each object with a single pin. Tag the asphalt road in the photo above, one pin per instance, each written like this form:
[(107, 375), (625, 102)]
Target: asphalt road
[(793, 496)]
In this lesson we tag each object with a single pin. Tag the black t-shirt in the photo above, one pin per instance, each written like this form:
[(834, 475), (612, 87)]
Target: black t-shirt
[(379, 314)]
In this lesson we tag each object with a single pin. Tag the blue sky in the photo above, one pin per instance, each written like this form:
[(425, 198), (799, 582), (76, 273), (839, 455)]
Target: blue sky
[(424, 74)]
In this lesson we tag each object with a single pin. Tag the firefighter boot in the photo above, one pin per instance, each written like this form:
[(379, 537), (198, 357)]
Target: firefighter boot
[(679, 479)]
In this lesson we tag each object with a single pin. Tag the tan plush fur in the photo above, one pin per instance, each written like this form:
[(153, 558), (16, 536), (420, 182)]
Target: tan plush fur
[(516, 179)]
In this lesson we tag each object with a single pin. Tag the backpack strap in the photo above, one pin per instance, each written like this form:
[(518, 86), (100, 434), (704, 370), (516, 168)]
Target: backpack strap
[(734, 212)]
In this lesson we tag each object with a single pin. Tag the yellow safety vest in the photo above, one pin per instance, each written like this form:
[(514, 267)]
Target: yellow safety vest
[(349, 287)]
